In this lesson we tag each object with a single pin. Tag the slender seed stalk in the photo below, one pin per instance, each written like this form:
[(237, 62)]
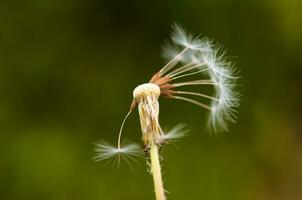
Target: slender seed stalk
[(156, 173)]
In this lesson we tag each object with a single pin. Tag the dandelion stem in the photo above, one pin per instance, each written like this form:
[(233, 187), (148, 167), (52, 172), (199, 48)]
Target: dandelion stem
[(156, 173)]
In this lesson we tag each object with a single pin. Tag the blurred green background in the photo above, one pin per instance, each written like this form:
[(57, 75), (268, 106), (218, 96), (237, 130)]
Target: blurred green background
[(67, 71)]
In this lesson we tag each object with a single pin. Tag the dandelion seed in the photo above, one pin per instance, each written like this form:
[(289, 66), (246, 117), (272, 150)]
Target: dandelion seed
[(194, 62), (105, 151)]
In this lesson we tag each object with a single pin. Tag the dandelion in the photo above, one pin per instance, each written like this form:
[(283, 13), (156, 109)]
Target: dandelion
[(193, 63)]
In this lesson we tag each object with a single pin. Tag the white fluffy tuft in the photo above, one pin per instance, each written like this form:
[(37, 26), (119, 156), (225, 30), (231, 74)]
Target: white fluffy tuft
[(106, 151), (224, 78), (211, 61), (183, 38), (175, 133)]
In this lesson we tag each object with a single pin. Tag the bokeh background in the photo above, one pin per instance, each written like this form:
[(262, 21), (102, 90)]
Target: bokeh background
[(67, 71)]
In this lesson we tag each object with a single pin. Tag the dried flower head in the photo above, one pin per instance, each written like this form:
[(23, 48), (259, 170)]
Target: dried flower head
[(193, 62)]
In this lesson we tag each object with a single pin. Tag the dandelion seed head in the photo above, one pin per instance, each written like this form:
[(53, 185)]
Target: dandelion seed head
[(146, 89), (209, 60), (146, 95), (189, 57)]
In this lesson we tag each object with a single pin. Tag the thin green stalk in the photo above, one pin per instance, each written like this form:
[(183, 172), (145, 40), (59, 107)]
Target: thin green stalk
[(156, 173)]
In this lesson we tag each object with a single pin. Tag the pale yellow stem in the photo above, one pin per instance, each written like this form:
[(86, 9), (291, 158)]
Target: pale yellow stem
[(156, 173), (148, 108)]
